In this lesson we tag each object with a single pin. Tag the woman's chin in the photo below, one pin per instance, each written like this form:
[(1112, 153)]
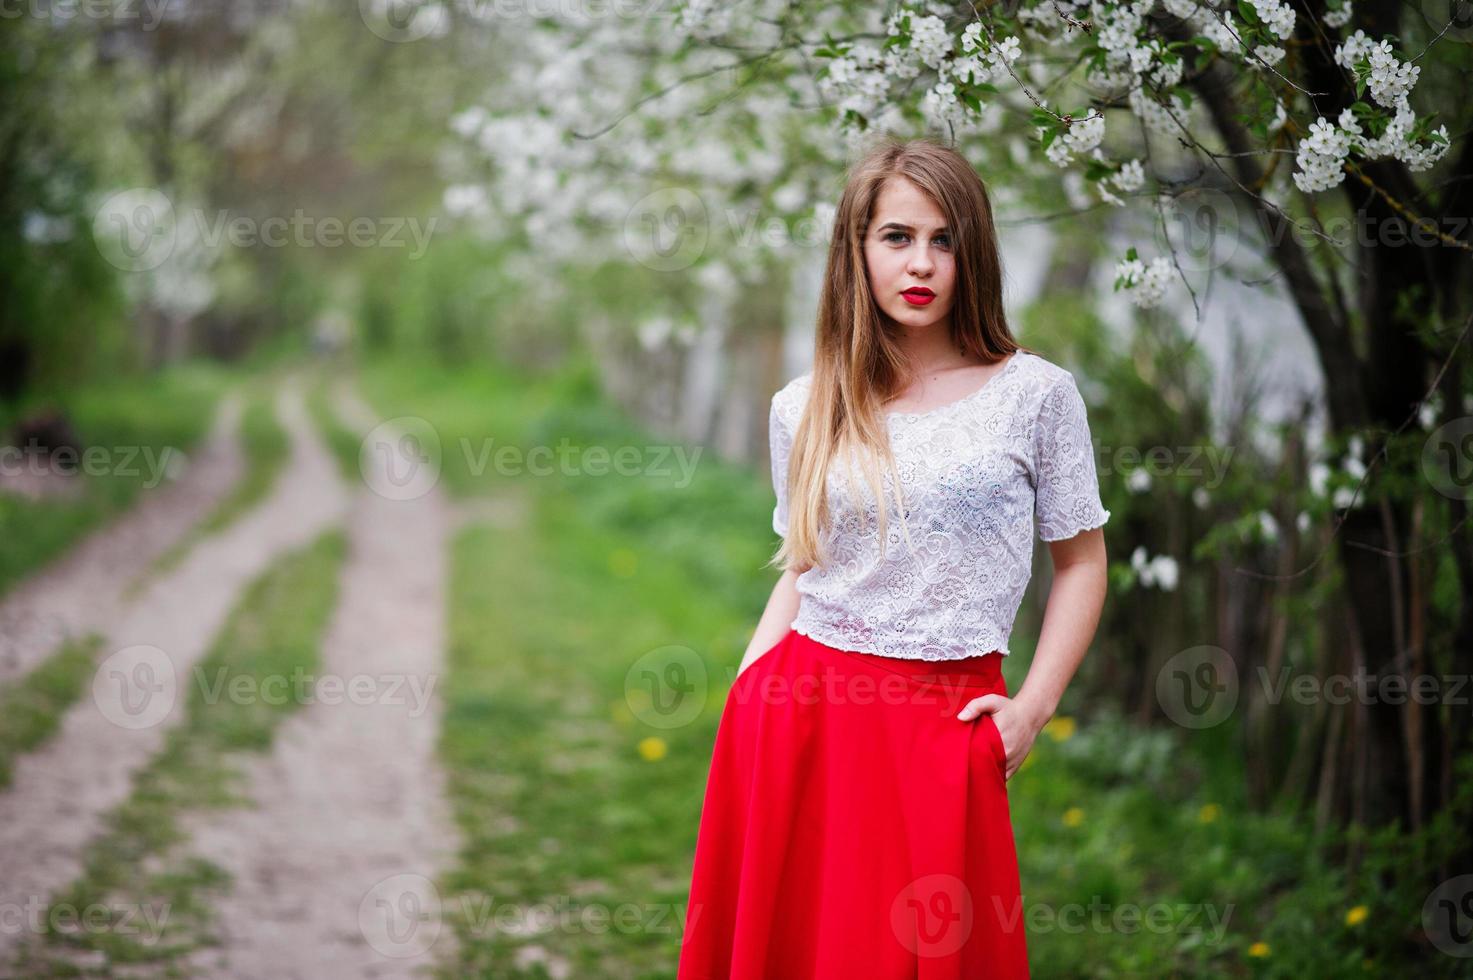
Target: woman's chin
[(915, 317)]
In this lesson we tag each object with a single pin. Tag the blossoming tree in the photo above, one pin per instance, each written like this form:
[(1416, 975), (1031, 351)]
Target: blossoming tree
[(1312, 126)]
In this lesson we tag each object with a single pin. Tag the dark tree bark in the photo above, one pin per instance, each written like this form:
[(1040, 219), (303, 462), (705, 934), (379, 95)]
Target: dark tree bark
[(1372, 388)]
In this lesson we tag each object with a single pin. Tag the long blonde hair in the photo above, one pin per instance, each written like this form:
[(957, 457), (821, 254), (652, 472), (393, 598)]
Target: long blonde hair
[(858, 364)]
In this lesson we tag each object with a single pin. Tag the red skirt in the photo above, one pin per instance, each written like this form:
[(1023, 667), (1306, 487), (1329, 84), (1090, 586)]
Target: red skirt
[(853, 827)]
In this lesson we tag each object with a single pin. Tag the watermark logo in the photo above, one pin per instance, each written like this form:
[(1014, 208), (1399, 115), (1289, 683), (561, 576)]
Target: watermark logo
[(1447, 458), (932, 915), (401, 21), (1198, 687), (1451, 18), (401, 916), (666, 687), (667, 230), (136, 687), (1199, 228), (401, 458), (135, 229), (1447, 916)]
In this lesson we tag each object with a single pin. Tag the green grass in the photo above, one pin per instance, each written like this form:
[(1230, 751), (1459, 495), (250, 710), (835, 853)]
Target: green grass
[(343, 443), (132, 426), (265, 446), (275, 629), (1139, 854), (553, 794), (31, 708)]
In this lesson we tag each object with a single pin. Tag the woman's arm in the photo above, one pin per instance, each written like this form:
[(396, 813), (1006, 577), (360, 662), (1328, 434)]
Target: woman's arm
[(782, 609), (1075, 599)]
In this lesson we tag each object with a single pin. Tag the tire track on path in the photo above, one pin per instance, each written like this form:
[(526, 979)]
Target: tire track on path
[(62, 791), (82, 591), (334, 865)]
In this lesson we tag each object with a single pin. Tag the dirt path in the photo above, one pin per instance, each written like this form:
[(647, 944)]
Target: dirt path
[(333, 865), (60, 792), (82, 592)]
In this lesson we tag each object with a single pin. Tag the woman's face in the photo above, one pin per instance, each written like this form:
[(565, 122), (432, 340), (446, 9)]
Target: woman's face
[(908, 252)]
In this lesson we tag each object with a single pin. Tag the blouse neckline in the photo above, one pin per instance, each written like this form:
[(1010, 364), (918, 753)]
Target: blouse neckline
[(1012, 360)]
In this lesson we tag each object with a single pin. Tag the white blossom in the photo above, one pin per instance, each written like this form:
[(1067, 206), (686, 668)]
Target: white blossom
[(1128, 179), (654, 332), (1146, 282), (1160, 571), (1319, 478), (1428, 411), (1277, 17), (468, 122), (466, 199), (705, 18), (1321, 157), (929, 38), (1269, 54)]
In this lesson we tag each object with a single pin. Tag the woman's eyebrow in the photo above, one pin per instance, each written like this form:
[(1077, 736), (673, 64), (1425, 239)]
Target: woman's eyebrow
[(905, 227)]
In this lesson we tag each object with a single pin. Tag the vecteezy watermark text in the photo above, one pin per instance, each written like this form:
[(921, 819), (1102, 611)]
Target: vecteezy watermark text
[(37, 916), (139, 228), (92, 461)]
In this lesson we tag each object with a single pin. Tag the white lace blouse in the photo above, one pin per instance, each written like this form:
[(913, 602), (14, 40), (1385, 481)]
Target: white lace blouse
[(973, 473)]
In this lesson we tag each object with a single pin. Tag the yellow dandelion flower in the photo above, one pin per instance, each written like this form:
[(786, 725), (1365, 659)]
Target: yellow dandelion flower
[(1060, 728), (1356, 915), (1209, 812), (622, 562), (1073, 817), (1259, 949), (652, 748)]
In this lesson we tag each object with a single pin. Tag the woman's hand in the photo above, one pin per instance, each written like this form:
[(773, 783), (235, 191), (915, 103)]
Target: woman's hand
[(1016, 725)]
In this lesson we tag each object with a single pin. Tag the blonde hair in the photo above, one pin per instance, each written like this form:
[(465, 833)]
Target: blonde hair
[(858, 365)]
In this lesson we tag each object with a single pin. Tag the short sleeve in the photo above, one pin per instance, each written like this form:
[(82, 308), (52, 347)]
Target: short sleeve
[(779, 448), (1066, 488)]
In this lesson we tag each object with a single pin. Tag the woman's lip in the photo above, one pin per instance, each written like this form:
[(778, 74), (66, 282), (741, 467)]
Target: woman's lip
[(918, 299)]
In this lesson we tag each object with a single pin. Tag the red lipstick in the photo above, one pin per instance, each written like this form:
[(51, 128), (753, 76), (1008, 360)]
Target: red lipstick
[(918, 295)]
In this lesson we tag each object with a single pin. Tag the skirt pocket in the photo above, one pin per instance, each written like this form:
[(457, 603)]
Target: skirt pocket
[(764, 655), (994, 739)]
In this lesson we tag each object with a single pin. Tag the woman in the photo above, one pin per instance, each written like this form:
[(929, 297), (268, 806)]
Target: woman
[(855, 822)]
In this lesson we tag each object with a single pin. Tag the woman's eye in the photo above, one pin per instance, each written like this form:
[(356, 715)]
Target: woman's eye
[(943, 240), (893, 235)]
